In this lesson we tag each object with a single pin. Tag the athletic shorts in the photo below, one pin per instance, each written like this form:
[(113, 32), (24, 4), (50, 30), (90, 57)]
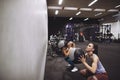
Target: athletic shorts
[(99, 76), (102, 76)]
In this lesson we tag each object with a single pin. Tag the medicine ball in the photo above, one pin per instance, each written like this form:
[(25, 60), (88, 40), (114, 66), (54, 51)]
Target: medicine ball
[(78, 52)]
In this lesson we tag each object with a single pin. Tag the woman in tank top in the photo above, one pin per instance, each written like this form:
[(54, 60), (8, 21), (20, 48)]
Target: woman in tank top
[(95, 71), (69, 56)]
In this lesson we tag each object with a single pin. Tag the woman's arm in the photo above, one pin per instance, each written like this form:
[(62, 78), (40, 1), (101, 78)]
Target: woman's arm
[(94, 64), (65, 51)]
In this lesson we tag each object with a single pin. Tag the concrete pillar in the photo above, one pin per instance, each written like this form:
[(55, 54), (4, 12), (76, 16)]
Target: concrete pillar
[(23, 39)]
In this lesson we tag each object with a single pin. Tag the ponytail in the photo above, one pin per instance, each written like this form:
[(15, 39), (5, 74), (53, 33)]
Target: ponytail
[(95, 48)]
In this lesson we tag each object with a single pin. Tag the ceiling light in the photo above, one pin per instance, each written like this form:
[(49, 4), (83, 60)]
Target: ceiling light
[(78, 13), (56, 12), (54, 7), (99, 10), (86, 9), (113, 10), (70, 8), (86, 19), (60, 2), (98, 14), (93, 2), (71, 18), (117, 6)]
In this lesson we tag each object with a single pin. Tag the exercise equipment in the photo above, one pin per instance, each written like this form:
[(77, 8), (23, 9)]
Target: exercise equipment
[(70, 32), (75, 54), (61, 43)]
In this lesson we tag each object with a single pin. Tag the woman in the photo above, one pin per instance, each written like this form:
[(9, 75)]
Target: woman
[(96, 71), (72, 55)]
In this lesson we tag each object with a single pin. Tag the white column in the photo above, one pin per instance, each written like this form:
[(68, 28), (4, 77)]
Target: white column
[(115, 29), (23, 39)]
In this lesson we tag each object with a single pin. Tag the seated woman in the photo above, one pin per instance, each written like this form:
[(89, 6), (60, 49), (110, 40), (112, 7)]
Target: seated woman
[(72, 55), (96, 71)]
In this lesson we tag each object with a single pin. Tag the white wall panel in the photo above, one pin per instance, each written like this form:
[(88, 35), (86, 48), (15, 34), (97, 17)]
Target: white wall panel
[(115, 28), (23, 39)]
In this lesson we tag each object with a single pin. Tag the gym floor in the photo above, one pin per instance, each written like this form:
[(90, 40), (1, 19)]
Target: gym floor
[(109, 55)]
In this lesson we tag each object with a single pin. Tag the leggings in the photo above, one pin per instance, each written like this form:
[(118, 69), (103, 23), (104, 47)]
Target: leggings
[(75, 61)]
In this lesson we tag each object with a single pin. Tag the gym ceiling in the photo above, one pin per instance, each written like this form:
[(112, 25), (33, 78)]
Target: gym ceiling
[(83, 8)]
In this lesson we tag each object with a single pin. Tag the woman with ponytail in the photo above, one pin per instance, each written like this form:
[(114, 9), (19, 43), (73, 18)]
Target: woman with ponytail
[(95, 71)]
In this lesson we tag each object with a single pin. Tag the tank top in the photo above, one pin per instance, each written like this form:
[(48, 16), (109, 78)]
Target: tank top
[(71, 54), (100, 68)]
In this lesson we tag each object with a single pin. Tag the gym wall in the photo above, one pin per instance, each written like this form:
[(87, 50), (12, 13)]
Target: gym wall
[(114, 21), (23, 39), (115, 28)]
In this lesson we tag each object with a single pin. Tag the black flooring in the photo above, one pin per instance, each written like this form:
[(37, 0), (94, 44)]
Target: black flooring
[(109, 54)]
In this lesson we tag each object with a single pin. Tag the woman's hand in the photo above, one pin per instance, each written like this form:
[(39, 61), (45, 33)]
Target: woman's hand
[(65, 51), (82, 59)]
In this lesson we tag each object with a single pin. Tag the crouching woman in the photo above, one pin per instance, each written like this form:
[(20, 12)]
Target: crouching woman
[(95, 71)]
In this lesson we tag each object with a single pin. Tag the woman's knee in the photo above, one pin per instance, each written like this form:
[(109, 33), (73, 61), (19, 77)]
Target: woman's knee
[(83, 72), (92, 78)]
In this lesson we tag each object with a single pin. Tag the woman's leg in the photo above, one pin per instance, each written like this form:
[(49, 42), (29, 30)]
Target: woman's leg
[(102, 76), (69, 61), (86, 73), (83, 72), (72, 67), (92, 78)]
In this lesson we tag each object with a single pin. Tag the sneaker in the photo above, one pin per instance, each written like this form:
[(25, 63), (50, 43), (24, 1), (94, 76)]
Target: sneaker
[(68, 65), (74, 69)]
